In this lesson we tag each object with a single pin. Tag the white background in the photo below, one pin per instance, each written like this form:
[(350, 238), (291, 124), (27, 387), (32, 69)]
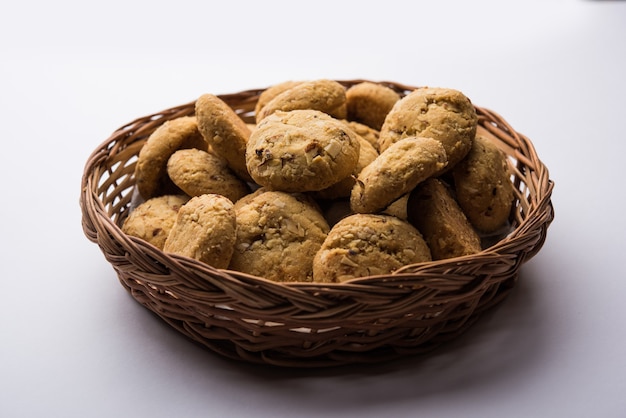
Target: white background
[(74, 344)]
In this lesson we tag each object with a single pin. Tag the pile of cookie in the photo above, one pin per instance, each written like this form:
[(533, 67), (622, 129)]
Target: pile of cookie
[(331, 182)]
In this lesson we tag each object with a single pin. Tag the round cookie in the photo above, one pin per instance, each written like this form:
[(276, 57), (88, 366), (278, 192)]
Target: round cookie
[(367, 245), (301, 150), (327, 96), (153, 219), (151, 170), (278, 234), (431, 208), (198, 172), (483, 186), (343, 188), (395, 172), (225, 132), (269, 93), (446, 115), (205, 229), (369, 103)]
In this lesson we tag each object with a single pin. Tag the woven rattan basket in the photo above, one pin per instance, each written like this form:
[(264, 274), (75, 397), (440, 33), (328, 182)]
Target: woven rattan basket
[(370, 319)]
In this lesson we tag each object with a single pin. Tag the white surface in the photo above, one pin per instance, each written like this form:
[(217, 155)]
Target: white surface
[(74, 344)]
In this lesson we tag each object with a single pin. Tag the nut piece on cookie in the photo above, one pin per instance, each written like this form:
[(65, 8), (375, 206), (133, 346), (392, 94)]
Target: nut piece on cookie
[(225, 132), (446, 115), (395, 172), (205, 229), (366, 245), (151, 169), (278, 234), (369, 103), (300, 151), (483, 186), (327, 96), (153, 219), (434, 212), (198, 172)]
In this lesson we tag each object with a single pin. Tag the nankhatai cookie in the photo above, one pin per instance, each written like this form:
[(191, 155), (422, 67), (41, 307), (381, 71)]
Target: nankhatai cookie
[(366, 245), (226, 133), (197, 172), (151, 170), (432, 209), (153, 219), (205, 229), (482, 182), (274, 90), (327, 96), (446, 115), (369, 103), (278, 234), (395, 172), (300, 151)]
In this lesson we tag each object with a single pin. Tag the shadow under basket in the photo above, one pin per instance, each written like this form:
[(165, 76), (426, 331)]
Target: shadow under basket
[(365, 320)]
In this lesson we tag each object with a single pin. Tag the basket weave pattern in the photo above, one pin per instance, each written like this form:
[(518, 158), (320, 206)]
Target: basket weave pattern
[(368, 319)]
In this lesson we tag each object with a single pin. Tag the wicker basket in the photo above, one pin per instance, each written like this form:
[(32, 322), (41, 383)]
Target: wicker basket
[(369, 319)]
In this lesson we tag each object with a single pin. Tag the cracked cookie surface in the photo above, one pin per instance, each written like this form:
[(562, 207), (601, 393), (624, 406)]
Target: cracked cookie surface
[(446, 115), (278, 234), (395, 172), (197, 172), (483, 186), (301, 151), (204, 230), (365, 245), (225, 132), (327, 96)]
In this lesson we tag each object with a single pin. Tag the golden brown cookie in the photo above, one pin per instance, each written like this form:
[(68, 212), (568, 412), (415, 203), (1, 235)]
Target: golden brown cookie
[(301, 150), (343, 188), (446, 115), (434, 212), (369, 103), (198, 172), (368, 245), (271, 92), (151, 169), (327, 96), (483, 186), (205, 229), (395, 172), (278, 234), (226, 133), (153, 219)]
